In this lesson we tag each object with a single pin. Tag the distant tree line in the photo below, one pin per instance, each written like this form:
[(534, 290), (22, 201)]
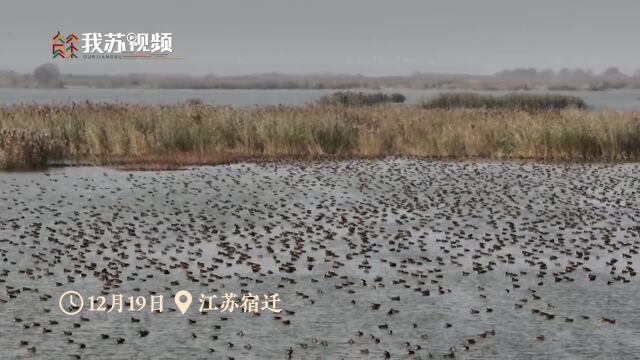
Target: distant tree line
[(49, 76)]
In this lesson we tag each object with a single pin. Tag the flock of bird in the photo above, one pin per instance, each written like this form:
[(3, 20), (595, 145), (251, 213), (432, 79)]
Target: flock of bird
[(378, 259)]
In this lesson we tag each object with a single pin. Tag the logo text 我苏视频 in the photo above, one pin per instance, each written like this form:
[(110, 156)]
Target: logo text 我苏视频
[(95, 45)]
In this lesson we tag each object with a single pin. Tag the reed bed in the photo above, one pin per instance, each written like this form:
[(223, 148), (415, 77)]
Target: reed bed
[(353, 98), (529, 102), (106, 134)]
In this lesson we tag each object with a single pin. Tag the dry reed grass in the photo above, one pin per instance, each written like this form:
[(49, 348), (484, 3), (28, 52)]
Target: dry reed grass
[(192, 134)]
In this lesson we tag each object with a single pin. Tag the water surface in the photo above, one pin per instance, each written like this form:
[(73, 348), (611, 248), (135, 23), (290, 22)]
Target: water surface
[(457, 255), (625, 99)]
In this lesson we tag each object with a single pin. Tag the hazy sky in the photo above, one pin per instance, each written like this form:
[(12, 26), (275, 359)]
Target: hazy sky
[(371, 37)]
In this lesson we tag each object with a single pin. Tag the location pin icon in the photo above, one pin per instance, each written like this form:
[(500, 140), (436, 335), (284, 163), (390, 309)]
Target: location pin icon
[(183, 300)]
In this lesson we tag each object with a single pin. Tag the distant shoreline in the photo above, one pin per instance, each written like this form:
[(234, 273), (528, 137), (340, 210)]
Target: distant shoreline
[(508, 80)]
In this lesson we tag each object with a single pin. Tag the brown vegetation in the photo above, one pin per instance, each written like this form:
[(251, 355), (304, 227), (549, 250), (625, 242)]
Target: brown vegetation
[(169, 136)]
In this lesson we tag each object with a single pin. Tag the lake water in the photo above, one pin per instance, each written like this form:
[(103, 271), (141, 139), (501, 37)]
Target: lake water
[(495, 259), (625, 99)]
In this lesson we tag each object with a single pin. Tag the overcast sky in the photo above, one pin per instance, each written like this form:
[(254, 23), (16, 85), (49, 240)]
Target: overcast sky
[(371, 37)]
